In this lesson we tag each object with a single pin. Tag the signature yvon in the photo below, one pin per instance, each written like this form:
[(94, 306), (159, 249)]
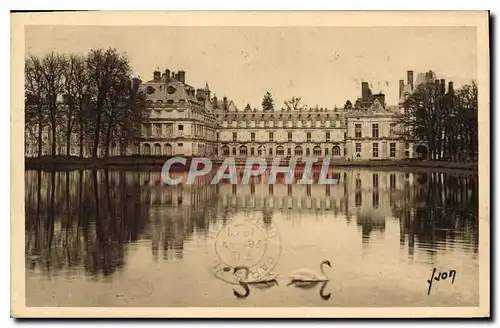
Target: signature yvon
[(442, 275)]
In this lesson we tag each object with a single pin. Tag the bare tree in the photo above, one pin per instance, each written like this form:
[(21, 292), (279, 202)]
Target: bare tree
[(292, 103), (445, 122), (106, 69), (53, 69), (35, 115), (75, 83)]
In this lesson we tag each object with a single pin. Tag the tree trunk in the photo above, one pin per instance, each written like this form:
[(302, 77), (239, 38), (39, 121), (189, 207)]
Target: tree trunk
[(68, 137), (96, 136), (40, 138)]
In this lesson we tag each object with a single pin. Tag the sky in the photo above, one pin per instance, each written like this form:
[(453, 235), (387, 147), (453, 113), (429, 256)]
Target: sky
[(323, 65)]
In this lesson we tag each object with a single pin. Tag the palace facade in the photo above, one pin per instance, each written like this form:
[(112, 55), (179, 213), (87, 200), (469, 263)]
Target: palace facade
[(188, 121)]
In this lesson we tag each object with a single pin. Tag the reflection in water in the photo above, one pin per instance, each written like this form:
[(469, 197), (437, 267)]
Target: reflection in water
[(89, 220)]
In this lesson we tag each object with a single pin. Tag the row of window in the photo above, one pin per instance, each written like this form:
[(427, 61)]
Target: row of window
[(280, 151), (271, 136), (290, 124), (375, 130), (375, 150)]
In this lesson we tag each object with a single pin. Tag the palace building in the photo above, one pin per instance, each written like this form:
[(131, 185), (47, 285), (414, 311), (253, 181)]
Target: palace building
[(191, 122), (188, 121)]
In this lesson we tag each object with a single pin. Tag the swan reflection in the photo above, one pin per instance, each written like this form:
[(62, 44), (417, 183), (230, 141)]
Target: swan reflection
[(262, 284)]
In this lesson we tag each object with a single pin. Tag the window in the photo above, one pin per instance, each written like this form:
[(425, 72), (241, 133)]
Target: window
[(243, 150), (298, 151), (270, 152), (358, 198), (407, 145), (374, 130), (235, 136), (158, 130), (308, 136), (180, 127), (375, 199), (280, 151), (336, 150), (357, 130), (375, 180), (393, 181), (317, 151), (326, 152), (358, 147), (375, 149), (179, 145), (392, 148), (289, 151), (252, 151), (289, 136), (217, 136), (392, 129), (271, 136), (252, 136), (327, 136), (234, 151), (225, 150)]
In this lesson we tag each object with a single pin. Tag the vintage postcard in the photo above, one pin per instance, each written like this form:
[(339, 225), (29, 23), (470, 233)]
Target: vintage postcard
[(250, 164)]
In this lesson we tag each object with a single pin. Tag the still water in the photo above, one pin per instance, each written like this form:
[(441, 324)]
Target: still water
[(123, 238)]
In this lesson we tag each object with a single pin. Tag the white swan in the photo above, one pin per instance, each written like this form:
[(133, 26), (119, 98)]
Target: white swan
[(307, 278)]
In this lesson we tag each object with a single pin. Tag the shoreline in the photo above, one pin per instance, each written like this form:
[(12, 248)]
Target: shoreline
[(147, 162)]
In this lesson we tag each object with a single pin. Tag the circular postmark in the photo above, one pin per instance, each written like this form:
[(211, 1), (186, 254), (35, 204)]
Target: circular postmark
[(247, 241)]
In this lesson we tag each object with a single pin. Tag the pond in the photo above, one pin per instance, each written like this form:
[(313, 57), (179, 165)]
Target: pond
[(116, 238)]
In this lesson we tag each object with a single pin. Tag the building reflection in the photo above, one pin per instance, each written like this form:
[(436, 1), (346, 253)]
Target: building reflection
[(84, 219)]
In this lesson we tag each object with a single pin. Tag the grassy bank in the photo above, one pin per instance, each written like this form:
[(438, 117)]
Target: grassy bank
[(144, 162)]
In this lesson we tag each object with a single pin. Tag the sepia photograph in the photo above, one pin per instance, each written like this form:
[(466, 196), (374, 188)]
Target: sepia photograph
[(250, 164)]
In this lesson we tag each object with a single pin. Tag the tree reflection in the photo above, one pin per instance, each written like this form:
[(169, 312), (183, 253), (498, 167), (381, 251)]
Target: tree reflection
[(83, 219)]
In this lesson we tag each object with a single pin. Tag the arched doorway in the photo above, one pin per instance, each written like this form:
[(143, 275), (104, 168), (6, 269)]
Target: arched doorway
[(336, 151), (146, 149), (157, 149), (168, 149)]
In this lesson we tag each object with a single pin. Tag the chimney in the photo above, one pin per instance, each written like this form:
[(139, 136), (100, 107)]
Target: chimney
[(450, 87), (200, 94), (442, 88), (157, 75), (181, 76), (365, 90), (167, 76), (381, 98), (216, 104), (224, 100), (173, 75), (410, 79), (401, 87)]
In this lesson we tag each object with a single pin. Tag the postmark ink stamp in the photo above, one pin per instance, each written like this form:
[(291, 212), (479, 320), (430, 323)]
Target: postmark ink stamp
[(246, 241)]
